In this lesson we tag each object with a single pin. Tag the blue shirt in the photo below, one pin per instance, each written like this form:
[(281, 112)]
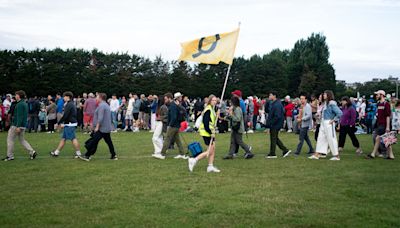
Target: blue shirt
[(243, 106), (60, 105)]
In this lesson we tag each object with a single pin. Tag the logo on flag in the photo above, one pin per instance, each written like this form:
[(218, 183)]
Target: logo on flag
[(211, 49)]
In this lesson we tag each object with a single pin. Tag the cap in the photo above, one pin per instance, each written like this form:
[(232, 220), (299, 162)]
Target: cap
[(237, 93), (382, 92)]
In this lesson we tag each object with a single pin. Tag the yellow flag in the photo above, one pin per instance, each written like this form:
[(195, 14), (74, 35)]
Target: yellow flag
[(211, 49)]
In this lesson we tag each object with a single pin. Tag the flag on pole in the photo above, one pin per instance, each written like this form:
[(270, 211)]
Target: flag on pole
[(211, 49)]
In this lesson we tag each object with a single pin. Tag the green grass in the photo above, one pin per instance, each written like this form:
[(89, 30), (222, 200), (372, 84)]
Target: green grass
[(139, 191)]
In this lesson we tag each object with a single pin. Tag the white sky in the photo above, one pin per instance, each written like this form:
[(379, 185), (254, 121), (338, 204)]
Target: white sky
[(363, 35)]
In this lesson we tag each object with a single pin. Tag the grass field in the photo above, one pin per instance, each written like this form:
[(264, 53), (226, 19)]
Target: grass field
[(139, 191)]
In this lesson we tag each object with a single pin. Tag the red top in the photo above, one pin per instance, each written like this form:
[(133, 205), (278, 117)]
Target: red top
[(383, 112), (256, 107), (289, 110)]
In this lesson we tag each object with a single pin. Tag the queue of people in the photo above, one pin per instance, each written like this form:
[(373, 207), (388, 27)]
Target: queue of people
[(164, 116)]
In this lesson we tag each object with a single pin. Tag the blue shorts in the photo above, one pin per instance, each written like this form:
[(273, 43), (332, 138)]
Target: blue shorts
[(69, 133)]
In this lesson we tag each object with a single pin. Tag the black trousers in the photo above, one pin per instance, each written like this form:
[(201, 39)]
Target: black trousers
[(92, 143), (276, 141), (347, 130), (51, 124)]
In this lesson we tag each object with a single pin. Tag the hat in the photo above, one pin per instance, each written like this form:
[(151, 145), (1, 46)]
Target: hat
[(381, 92), (177, 95), (237, 93), (91, 95), (9, 95)]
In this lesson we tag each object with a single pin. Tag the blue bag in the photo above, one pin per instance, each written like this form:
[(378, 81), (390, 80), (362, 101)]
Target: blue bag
[(195, 149)]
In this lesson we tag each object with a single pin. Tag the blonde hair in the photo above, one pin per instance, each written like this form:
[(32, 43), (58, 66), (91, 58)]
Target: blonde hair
[(210, 98)]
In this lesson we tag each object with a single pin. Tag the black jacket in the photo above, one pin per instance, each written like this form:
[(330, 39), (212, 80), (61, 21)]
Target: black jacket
[(69, 114)]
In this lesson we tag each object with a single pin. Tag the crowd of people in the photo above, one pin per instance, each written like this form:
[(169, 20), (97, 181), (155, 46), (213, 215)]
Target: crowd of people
[(168, 115)]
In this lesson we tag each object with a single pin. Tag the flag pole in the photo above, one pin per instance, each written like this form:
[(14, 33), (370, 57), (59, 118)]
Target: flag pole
[(221, 100)]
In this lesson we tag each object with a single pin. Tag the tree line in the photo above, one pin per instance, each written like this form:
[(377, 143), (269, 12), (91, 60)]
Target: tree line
[(304, 68)]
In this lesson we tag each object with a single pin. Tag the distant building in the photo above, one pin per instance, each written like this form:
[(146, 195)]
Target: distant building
[(351, 85)]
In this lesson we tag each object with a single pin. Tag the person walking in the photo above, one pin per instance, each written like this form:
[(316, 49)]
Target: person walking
[(19, 117), (347, 125), (160, 126), (305, 120), (327, 132), (174, 123), (69, 122), (289, 108), (382, 124), (237, 130), (102, 129), (207, 131), (275, 124)]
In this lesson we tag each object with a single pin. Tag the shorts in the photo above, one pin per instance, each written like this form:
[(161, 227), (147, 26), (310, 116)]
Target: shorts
[(207, 140), (380, 130), (128, 116), (136, 116), (87, 118), (69, 133)]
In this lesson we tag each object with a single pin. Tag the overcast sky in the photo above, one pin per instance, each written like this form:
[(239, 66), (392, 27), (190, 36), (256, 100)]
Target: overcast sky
[(363, 35)]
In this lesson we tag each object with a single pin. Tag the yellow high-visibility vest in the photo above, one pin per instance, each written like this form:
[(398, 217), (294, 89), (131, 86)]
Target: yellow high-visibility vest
[(213, 117)]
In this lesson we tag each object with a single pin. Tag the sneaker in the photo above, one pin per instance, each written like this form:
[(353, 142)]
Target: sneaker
[(322, 156), (248, 155), (235, 155), (359, 151), (389, 158), (77, 155), (179, 156), (212, 169), (53, 154), (269, 156), (250, 131), (158, 156), (32, 155), (340, 149), (8, 159), (191, 162), (287, 153), (115, 131), (125, 129), (84, 158), (313, 157), (289, 131), (369, 156), (227, 157), (334, 159), (115, 158)]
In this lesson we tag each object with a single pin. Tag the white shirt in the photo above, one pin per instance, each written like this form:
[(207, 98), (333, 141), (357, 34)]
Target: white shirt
[(114, 105), (7, 105), (130, 105)]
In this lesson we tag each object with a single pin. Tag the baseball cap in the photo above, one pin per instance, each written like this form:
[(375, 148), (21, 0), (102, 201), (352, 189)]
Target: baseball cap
[(237, 93), (382, 92)]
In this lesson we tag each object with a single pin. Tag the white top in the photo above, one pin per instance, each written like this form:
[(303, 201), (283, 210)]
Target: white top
[(130, 105), (114, 105)]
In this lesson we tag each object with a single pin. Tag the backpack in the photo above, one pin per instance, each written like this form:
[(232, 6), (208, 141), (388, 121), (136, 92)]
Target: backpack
[(181, 113)]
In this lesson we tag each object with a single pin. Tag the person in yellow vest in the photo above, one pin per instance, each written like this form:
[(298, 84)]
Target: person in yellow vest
[(207, 130)]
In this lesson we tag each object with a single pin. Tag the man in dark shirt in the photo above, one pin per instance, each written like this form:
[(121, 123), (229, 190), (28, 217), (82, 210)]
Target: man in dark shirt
[(69, 122), (275, 123), (382, 123), (173, 126)]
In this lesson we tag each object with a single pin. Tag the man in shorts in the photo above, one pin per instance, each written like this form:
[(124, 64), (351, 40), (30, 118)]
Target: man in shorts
[(88, 111), (382, 124), (69, 123)]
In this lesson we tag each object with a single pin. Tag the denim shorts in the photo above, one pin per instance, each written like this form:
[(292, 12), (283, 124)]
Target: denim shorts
[(69, 133)]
